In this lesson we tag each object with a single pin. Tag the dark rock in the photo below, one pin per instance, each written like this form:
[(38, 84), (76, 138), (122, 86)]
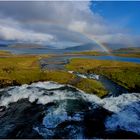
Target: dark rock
[(94, 121), (2, 108), (68, 129), (19, 120), (120, 134)]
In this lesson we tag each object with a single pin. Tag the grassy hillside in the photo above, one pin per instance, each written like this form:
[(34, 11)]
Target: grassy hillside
[(136, 54), (127, 52)]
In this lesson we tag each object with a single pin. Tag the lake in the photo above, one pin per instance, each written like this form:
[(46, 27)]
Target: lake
[(49, 51), (114, 58)]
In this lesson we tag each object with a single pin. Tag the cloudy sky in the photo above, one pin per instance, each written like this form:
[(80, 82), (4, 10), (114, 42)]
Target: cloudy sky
[(69, 23)]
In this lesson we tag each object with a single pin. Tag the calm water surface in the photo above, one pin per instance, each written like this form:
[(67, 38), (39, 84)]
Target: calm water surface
[(47, 51)]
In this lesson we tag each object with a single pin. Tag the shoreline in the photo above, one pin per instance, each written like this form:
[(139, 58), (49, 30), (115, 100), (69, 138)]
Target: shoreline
[(26, 69)]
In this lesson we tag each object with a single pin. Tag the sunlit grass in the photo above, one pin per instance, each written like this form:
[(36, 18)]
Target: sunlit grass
[(25, 69), (19, 70), (137, 55), (123, 73), (87, 85), (4, 53)]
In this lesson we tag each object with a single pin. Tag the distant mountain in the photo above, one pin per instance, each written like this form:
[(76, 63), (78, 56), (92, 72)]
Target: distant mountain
[(6, 43), (127, 50), (25, 46), (113, 46), (96, 47), (84, 47)]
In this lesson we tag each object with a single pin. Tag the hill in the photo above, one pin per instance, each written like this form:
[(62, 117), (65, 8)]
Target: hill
[(84, 47), (127, 50), (25, 46)]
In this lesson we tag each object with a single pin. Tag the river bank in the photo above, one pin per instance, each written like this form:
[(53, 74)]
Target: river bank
[(20, 69), (123, 73), (15, 70)]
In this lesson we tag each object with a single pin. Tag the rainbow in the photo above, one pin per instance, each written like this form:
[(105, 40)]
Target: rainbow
[(105, 49), (98, 43)]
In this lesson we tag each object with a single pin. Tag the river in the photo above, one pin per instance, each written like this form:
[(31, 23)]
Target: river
[(51, 110), (61, 52), (59, 62)]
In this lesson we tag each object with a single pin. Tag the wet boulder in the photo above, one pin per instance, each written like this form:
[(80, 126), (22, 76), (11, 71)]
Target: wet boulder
[(19, 119), (94, 121)]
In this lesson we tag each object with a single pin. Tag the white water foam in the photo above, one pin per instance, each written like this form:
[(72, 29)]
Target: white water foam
[(127, 112), (91, 76), (126, 107), (116, 104), (37, 91), (127, 119), (46, 85)]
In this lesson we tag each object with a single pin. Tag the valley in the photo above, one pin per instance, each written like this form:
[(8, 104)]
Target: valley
[(66, 95)]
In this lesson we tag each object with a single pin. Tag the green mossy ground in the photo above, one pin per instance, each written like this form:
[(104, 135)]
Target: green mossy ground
[(94, 53), (125, 74), (113, 53), (25, 69), (137, 54)]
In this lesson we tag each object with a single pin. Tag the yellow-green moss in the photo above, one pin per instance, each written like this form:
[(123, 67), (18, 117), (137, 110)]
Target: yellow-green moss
[(87, 85), (91, 86), (123, 73), (94, 53), (58, 76), (136, 54), (17, 70)]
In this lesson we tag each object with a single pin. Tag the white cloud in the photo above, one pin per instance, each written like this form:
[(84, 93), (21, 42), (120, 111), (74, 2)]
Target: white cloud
[(117, 38), (79, 26), (15, 32), (63, 20)]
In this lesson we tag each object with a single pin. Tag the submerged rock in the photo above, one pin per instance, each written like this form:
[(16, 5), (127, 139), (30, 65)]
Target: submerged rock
[(19, 118)]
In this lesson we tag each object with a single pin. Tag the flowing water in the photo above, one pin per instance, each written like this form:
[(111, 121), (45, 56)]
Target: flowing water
[(52, 110), (58, 63), (113, 88)]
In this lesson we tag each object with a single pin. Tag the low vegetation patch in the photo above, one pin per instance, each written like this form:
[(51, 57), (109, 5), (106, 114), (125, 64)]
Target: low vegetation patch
[(87, 85), (94, 53), (17, 70), (91, 86), (123, 73), (137, 54), (5, 53)]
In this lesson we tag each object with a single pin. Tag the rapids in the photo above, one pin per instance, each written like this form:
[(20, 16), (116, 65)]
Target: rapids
[(61, 111)]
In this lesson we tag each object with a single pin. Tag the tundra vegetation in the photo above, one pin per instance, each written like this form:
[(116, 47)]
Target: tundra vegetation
[(122, 53), (136, 54), (93, 53), (25, 69), (124, 73)]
